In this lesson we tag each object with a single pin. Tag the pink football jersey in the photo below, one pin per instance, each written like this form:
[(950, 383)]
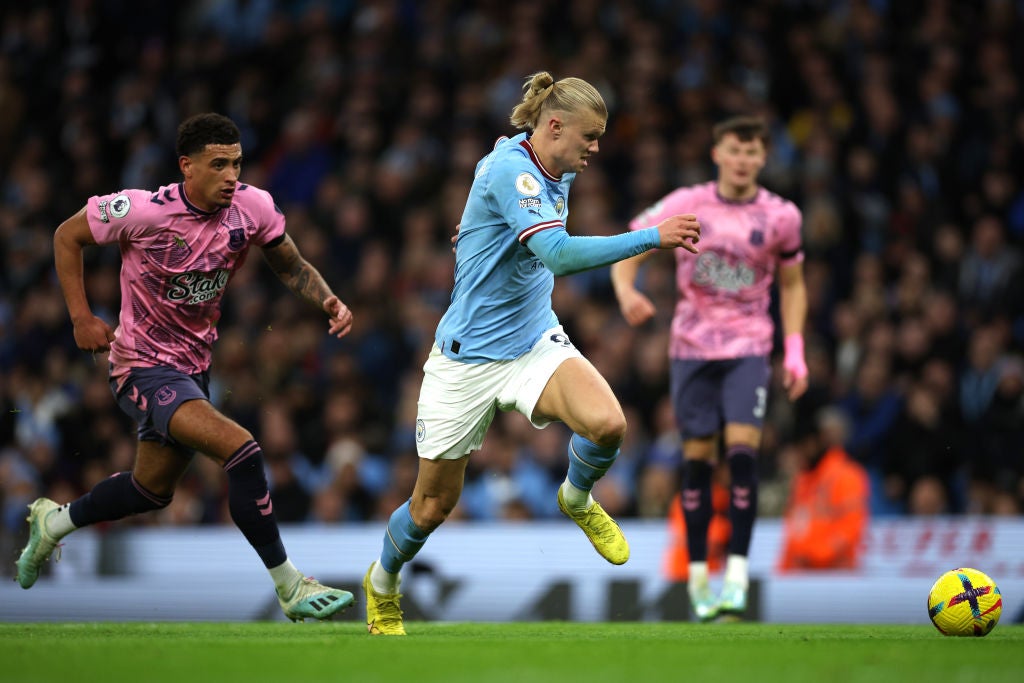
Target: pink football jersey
[(175, 262), (725, 290)]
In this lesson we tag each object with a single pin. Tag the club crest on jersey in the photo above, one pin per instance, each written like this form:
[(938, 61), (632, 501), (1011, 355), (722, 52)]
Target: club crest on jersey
[(421, 431), (528, 185), (165, 395), (559, 204), (560, 339), (236, 238), (757, 237)]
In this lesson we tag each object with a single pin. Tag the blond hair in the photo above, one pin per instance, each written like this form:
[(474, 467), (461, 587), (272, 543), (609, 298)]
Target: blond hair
[(543, 93)]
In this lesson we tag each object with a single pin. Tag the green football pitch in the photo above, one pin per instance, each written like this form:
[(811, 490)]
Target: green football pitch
[(514, 652)]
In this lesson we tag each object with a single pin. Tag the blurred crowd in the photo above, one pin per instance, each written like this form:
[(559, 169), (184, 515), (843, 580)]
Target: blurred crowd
[(898, 129)]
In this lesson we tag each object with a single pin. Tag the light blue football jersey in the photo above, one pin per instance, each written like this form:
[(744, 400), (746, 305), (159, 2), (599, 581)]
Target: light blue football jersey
[(501, 302)]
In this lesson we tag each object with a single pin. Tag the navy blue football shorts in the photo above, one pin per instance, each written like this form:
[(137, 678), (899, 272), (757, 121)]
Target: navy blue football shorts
[(707, 394), (150, 396)]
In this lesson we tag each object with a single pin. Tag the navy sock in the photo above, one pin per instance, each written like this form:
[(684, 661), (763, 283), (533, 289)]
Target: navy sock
[(696, 502), (402, 540), (742, 497), (113, 498), (588, 462), (250, 504)]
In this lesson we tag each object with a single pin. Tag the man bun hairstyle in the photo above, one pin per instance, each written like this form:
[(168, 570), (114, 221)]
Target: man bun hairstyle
[(542, 93), (746, 128), (196, 132)]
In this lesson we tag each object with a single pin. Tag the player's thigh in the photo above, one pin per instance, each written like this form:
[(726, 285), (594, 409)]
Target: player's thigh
[(580, 397), (456, 405), (198, 425), (151, 396), (554, 382), (696, 387), (159, 467), (745, 398)]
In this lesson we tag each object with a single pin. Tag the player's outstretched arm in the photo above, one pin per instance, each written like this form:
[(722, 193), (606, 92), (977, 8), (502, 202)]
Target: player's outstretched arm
[(91, 333), (305, 280), (564, 254)]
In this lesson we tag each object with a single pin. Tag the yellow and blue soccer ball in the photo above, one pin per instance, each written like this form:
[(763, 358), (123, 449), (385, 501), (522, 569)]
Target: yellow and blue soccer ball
[(965, 602)]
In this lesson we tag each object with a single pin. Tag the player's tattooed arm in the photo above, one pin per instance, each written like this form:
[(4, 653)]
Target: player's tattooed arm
[(296, 272), (306, 281)]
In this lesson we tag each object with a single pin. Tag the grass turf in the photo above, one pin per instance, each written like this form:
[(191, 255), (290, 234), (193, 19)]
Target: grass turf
[(513, 652)]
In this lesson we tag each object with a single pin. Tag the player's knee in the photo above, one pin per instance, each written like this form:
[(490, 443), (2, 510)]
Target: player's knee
[(431, 512), (742, 465), (703, 450), (154, 485), (146, 500), (153, 505), (609, 430)]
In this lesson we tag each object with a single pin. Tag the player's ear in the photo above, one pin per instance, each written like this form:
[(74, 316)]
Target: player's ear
[(185, 164), (555, 126)]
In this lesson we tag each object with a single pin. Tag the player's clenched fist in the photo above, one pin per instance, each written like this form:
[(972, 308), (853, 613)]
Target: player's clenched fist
[(682, 230), (93, 334)]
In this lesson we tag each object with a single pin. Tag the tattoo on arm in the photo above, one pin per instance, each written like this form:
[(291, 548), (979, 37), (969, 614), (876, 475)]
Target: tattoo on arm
[(297, 273)]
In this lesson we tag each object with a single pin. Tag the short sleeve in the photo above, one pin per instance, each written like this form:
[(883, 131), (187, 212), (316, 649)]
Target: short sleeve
[(270, 220), (790, 240), (122, 215)]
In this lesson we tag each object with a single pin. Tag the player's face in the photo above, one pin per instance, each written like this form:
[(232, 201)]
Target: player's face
[(211, 176), (738, 161), (577, 141)]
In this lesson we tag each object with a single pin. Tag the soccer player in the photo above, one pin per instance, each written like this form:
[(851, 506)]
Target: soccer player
[(722, 337), (180, 246), (499, 345)]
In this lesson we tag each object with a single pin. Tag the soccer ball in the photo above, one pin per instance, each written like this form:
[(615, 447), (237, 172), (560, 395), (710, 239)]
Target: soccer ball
[(965, 602)]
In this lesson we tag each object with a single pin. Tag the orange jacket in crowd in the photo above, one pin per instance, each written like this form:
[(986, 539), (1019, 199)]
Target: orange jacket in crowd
[(826, 515), (677, 557)]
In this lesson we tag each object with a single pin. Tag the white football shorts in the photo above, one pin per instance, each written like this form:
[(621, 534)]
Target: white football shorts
[(458, 400)]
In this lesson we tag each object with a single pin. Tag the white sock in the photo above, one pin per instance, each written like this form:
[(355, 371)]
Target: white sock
[(698, 575), (285, 576), (58, 523), (576, 499), (383, 581), (736, 570)]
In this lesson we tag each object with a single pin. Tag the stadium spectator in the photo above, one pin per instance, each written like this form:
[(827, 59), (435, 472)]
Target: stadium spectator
[(722, 336), (179, 246), (827, 513), (500, 344), (924, 444), (990, 270), (873, 405)]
